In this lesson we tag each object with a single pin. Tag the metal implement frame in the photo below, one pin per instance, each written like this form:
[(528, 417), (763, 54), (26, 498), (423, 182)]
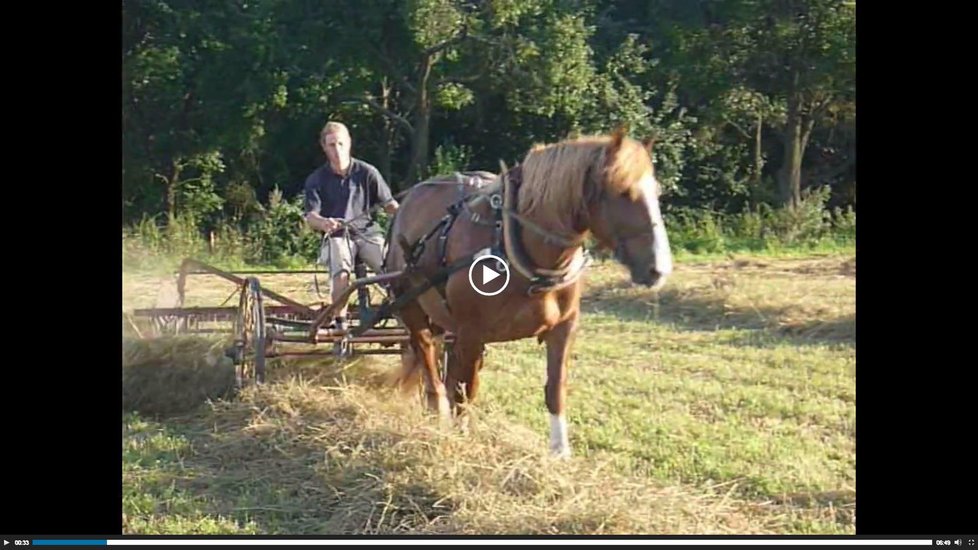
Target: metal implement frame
[(258, 325)]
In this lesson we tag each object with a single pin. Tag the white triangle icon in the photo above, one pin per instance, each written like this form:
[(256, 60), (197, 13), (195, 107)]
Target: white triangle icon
[(488, 274)]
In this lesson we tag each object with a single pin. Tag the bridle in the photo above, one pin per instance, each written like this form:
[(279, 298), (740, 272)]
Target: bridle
[(544, 278)]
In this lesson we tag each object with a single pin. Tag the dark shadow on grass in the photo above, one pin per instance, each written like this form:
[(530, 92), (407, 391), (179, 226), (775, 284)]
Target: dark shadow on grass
[(695, 311), (836, 332)]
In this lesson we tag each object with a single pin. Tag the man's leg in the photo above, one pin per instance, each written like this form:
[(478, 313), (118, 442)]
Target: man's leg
[(340, 266), (371, 250)]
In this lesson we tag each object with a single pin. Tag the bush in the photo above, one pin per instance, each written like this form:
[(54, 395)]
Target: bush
[(696, 231), (276, 234), (806, 224), (281, 236)]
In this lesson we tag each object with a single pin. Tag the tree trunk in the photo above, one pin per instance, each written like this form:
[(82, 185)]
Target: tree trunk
[(387, 132), (789, 176), (171, 188), (758, 152), (419, 159), (418, 170)]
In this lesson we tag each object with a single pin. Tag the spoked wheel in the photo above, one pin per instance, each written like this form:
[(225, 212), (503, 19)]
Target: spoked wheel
[(250, 334)]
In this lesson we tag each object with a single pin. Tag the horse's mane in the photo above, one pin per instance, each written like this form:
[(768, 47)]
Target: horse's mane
[(559, 179)]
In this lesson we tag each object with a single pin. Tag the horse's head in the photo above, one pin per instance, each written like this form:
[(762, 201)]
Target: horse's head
[(625, 214)]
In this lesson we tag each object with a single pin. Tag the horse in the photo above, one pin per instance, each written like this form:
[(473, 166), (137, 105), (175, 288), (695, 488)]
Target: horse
[(538, 216)]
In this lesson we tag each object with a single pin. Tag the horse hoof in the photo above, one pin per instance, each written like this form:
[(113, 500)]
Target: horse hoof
[(444, 423), (560, 453)]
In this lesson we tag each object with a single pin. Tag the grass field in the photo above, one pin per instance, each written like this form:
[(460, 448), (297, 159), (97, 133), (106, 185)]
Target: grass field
[(724, 404)]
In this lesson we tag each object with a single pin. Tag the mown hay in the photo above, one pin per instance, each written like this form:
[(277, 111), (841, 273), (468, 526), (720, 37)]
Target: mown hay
[(174, 375), (300, 457)]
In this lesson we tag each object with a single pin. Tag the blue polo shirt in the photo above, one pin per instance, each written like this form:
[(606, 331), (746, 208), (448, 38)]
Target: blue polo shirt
[(334, 196)]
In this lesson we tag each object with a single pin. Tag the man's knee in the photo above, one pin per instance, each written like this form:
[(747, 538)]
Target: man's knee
[(340, 283), (340, 260), (372, 253), (341, 279)]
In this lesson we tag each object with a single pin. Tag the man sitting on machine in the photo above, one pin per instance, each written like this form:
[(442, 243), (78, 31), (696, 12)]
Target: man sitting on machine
[(339, 197)]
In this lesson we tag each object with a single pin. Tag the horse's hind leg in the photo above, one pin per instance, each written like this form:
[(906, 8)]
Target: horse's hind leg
[(463, 372), (423, 349)]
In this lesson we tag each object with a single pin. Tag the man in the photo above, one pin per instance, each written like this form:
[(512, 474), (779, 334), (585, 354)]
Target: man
[(339, 196)]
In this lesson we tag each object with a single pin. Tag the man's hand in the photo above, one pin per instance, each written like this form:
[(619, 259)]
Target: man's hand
[(332, 224), (327, 225)]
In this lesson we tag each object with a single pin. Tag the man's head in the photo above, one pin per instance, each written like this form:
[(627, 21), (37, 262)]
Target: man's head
[(335, 141)]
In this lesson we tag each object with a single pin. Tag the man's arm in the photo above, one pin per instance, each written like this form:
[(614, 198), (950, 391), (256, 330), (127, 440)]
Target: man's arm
[(382, 193), (312, 207)]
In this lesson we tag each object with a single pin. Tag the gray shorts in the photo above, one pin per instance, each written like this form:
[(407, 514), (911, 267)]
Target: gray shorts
[(337, 253)]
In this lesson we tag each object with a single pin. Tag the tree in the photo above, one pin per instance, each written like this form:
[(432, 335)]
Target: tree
[(786, 63)]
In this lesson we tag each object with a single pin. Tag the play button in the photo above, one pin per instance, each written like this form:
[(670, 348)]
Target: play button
[(488, 275), (493, 275)]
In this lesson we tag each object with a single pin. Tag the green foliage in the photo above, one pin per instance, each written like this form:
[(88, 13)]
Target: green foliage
[(148, 242), (807, 226), (281, 234), (197, 196), (277, 236), (432, 21), (809, 222), (844, 225), (453, 96), (717, 174), (696, 231), (450, 158)]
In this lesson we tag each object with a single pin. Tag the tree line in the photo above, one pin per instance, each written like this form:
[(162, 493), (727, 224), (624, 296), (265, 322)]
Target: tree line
[(751, 102)]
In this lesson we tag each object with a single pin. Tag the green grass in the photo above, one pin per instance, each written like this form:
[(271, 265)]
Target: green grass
[(683, 401), (152, 501), (723, 404)]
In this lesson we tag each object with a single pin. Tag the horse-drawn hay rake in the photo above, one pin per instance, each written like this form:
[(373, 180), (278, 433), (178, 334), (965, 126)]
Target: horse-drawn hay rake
[(263, 330)]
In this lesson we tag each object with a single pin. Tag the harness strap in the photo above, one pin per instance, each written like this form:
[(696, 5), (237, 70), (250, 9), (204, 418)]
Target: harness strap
[(540, 279), (412, 294), (417, 249), (506, 224), (548, 236)]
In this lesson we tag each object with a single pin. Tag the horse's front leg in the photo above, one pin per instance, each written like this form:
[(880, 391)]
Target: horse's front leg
[(558, 341)]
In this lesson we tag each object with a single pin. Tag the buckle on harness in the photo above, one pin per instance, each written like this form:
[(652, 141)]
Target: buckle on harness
[(496, 201)]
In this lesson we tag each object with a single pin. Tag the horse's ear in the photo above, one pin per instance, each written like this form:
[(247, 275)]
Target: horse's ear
[(620, 132), (648, 143), (616, 139), (503, 169)]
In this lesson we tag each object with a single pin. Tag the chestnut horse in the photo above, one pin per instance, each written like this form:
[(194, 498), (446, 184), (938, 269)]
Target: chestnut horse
[(537, 216)]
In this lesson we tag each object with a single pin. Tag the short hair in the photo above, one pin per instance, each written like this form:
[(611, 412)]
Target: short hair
[(332, 127)]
